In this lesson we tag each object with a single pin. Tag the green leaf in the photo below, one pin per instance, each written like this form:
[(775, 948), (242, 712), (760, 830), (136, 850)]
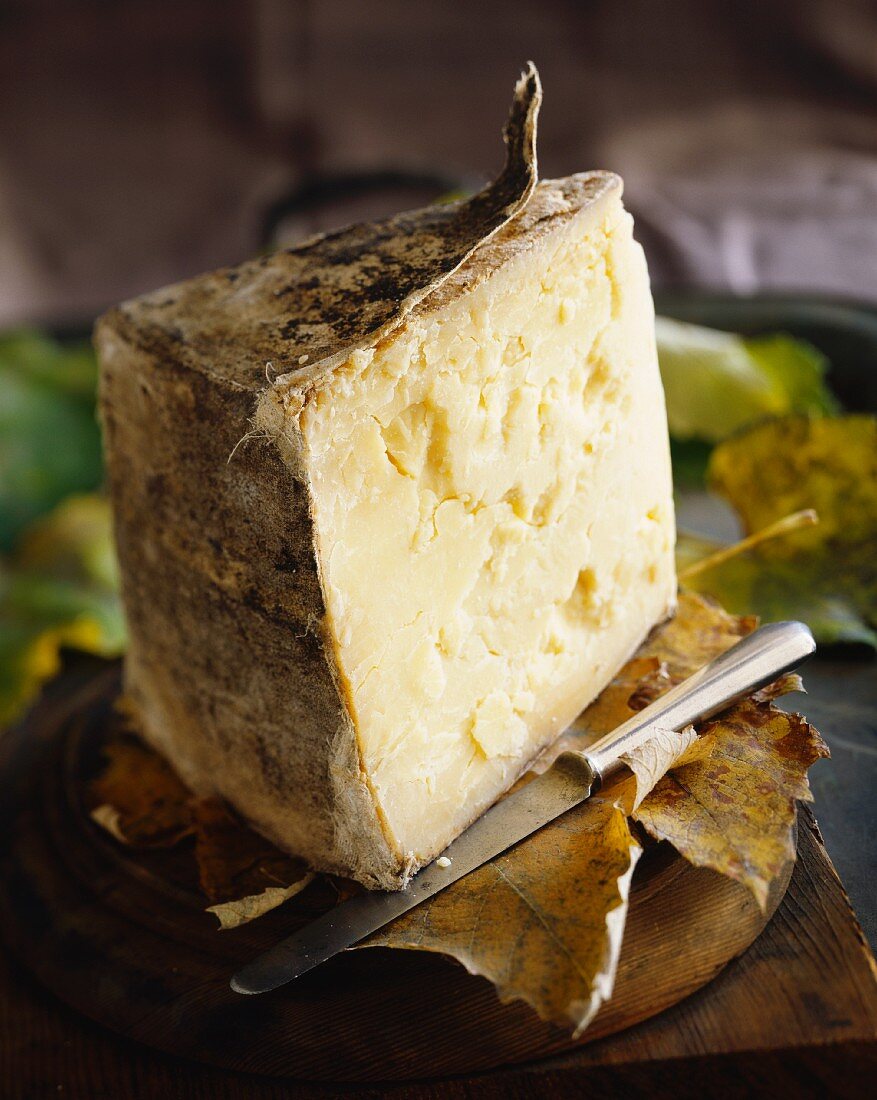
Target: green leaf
[(690, 459), (825, 575), (717, 383), (50, 442), (59, 589)]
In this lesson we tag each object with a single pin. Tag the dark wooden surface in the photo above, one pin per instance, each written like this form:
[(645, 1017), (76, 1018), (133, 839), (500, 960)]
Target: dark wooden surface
[(798, 1008)]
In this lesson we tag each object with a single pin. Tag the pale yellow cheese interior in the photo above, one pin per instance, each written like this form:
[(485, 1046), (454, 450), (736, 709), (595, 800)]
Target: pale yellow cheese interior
[(494, 520)]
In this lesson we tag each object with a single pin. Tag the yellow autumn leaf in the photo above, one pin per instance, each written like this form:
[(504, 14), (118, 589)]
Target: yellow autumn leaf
[(543, 922), (824, 573), (58, 590), (735, 810)]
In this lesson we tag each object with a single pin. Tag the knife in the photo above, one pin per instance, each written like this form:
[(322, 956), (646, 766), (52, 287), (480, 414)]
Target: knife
[(753, 662)]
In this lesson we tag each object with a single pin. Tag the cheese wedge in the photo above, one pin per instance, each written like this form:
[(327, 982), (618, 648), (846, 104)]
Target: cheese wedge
[(391, 508)]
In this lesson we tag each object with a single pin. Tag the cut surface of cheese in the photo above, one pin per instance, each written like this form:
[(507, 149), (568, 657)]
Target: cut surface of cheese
[(493, 518), (446, 530)]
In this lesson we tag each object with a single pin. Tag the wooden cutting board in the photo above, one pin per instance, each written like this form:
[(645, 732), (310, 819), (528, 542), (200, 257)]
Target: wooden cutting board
[(123, 938)]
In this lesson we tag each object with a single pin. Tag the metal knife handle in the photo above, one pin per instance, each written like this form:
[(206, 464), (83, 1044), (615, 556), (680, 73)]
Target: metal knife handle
[(753, 662)]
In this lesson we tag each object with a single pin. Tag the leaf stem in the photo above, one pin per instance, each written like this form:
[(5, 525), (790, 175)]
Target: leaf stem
[(794, 522)]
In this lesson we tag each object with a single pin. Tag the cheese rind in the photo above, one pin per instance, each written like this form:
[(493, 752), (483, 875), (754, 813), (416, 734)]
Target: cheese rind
[(432, 549)]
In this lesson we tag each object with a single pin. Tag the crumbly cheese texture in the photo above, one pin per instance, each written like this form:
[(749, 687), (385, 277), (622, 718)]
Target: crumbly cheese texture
[(494, 521), (391, 508)]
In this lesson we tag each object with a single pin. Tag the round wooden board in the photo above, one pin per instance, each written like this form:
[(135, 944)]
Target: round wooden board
[(123, 938)]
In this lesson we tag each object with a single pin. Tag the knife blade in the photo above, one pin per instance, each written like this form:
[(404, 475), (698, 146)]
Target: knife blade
[(753, 662)]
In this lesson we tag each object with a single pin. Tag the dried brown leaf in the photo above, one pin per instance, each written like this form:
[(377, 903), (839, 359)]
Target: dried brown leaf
[(138, 797), (141, 802), (735, 811), (700, 631), (239, 870), (653, 759), (543, 922), (109, 818), (232, 914), (788, 683)]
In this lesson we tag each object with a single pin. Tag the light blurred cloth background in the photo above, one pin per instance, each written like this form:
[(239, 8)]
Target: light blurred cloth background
[(142, 141)]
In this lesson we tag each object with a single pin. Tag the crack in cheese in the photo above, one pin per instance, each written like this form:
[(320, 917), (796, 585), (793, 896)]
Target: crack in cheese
[(362, 597)]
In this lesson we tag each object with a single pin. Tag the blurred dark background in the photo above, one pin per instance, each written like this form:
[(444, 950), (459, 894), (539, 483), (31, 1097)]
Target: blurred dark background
[(146, 140), (143, 141)]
